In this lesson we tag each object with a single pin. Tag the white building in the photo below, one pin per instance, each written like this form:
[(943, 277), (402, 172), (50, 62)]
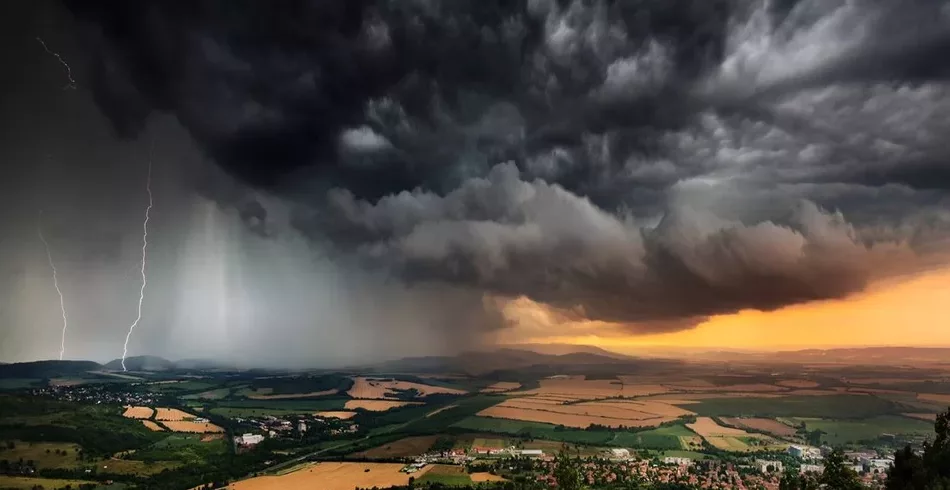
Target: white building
[(880, 465), (766, 466), (677, 461), (804, 452), (301, 427), (620, 453), (531, 453), (811, 468), (249, 439)]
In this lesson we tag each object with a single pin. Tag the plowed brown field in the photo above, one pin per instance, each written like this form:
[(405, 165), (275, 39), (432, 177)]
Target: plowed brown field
[(333, 476)]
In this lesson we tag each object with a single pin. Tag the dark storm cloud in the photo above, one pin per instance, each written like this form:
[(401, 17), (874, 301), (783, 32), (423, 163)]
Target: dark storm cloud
[(516, 237), (663, 155)]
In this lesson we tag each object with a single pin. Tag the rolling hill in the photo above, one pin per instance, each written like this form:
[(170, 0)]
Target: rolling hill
[(142, 363), (47, 369)]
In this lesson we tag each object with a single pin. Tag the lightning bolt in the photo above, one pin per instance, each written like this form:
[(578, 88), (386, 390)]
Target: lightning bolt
[(69, 71), (148, 188), (62, 304)]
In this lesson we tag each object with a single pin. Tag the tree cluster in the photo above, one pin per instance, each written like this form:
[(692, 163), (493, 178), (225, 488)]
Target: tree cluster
[(925, 470)]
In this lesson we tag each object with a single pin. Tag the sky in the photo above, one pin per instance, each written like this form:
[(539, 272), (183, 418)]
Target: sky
[(340, 182)]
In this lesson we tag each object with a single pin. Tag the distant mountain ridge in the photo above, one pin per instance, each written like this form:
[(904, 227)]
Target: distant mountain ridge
[(47, 369), (141, 363), (59, 369), (505, 358), (563, 358), (563, 349)]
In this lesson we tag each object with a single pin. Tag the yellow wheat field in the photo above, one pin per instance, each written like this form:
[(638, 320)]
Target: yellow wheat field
[(483, 477), (336, 414), (171, 414), (189, 426), (376, 405), (652, 407), (152, 426), (137, 413), (380, 389), (578, 388), (501, 387), (333, 476)]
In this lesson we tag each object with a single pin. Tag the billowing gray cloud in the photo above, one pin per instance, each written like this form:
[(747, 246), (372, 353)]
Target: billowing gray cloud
[(647, 162), (515, 237)]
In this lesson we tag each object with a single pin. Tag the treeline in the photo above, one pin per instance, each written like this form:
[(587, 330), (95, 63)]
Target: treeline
[(99, 429), (689, 419), (928, 469), (217, 469), (96, 440)]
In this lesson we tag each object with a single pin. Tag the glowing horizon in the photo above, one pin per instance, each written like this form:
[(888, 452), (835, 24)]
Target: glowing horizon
[(902, 312)]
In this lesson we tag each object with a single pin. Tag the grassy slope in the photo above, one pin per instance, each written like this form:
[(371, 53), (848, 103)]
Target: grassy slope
[(845, 431), (24, 483), (43, 453), (447, 475)]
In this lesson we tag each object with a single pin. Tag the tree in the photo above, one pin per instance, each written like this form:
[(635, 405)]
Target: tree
[(837, 474), (567, 472), (908, 472), (930, 471)]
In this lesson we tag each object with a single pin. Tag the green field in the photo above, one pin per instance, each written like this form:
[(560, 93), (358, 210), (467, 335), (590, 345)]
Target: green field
[(244, 413), (216, 394), (289, 385), (18, 383), (534, 430), (183, 386), (490, 443), (447, 475), (847, 431), (24, 483), (134, 467), (826, 406), (44, 454), (669, 437), (299, 405), (260, 408), (99, 429)]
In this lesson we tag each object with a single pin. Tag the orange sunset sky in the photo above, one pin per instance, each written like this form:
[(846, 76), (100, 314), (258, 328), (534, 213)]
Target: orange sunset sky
[(912, 311)]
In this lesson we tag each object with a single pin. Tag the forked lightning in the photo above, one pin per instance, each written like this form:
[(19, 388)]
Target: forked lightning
[(148, 188), (69, 71), (62, 304)]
